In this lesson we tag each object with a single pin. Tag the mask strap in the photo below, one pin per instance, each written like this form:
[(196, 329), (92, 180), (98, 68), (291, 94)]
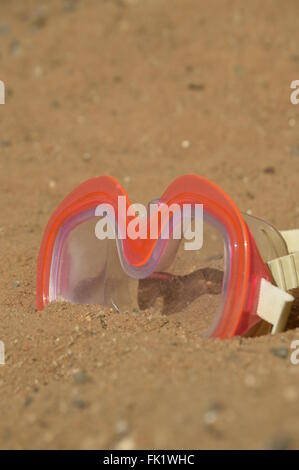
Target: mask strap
[(274, 306), (285, 269), (291, 237), (274, 301)]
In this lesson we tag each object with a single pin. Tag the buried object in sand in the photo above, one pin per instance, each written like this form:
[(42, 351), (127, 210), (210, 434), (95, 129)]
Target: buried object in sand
[(245, 263)]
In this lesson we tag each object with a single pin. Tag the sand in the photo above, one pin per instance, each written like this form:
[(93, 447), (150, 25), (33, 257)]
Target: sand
[(145, 91)]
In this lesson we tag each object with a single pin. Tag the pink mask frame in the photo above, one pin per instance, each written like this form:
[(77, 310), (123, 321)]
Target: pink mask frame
[(244, 271)]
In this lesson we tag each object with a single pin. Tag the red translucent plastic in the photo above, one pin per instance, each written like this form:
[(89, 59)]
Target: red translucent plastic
[(245, 266)]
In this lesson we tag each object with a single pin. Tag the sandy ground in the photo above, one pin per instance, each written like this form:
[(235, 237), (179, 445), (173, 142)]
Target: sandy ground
[(117, 87)]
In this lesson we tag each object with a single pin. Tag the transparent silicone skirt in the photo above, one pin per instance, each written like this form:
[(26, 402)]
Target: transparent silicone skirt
[(218, 282)]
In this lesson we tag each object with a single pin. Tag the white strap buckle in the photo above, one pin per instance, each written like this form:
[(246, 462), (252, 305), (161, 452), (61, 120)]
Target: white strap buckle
[(275, 302), (274, 305)]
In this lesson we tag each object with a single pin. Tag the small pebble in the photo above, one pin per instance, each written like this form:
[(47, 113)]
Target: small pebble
[(185, 144), (15, 47), (40, 17), (250, 380), (196, 86), (281, 441), (121, 426), (269, 170), (28, 402), (81, 377), (86, 157), (210, 416), (280, 352), (80, 404), (127, 443), (292, 122)]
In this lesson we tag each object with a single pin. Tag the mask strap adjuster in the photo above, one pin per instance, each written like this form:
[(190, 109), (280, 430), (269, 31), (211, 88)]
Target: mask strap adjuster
[(275, 301)]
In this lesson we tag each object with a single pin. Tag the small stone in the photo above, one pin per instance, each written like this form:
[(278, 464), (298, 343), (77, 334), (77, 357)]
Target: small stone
[(281, 352), (52, 184), (250, 380), (185, 144), (281, 441), (86, 157), (16, 284), (28, 402), (15, 47), (210, 417), (121, 426), (80, 404), (196, 86), (250, 195), (81, 378), (40, 17), (292, 122), (127, 443), (269, 170)]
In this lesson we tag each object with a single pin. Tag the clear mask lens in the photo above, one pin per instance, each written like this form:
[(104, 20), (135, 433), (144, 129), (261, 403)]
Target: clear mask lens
[(187, 284)]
